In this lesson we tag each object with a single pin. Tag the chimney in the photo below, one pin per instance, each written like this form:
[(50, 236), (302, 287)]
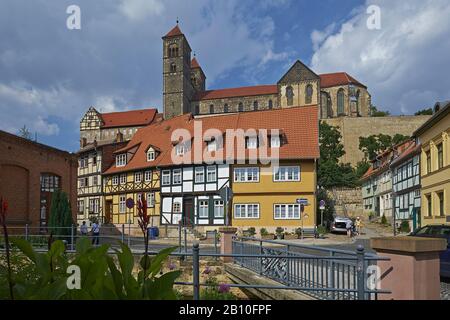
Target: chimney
[(119, 136)]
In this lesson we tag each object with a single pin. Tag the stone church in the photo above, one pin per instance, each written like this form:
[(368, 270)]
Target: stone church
[(184, 88)]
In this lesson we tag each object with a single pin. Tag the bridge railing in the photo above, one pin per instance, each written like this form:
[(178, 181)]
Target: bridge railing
[(322, 273)]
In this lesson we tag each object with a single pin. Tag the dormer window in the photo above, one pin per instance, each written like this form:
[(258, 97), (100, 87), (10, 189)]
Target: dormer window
[(151, 155), (252, 142), (121, 160), (275, 141), (179, 149), (212, 145)]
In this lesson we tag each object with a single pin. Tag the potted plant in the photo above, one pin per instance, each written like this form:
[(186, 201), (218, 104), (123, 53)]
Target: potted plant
[(298, 232), (279, 232), (251, 232), (265, 235), (290, 236)]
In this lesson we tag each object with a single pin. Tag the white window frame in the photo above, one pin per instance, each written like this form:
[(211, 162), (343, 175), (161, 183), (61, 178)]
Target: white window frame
[(115, 180), (286, 174), (177, 177), (121, 160), (148, 176), (123, 179), (177, 205), (211, 170), (138, 177), (201, 172), (122, 204), (246, 173), (165, 174), (150, 200), (294, 208), (179, 149), (243, 214), (203, 209), (151, 155), (219, 209), (81, 206)]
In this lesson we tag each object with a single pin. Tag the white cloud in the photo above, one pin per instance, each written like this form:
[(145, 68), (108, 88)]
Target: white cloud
[(404, 64), (141, 9)]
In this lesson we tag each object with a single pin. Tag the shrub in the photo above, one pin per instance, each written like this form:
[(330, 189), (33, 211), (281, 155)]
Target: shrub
[(216, 291), (298, 231), (279, 231), (384, 220), (322, 230), (263, 232), (404, 227), (251, 231)]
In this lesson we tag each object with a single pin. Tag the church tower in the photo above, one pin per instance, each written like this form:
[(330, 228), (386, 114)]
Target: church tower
[(178, 89)]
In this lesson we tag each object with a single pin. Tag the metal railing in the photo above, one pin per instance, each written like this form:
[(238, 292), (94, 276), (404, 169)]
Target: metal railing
[(320, 272)]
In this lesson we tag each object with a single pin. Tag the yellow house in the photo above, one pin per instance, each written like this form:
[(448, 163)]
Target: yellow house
[(119, 187), (435, 166), (267, 196)]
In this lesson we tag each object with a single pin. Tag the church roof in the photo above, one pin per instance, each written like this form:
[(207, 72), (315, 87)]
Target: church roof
[(195, 64), (236, 92), (328, 80), (298, 125), (128, 118), (176, 31)]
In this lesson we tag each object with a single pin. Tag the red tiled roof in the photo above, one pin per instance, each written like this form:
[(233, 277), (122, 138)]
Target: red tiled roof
[(336, 79), (411, 149), (299, 127), (176, 31), (237, 92), (128, 118), (195, 64)]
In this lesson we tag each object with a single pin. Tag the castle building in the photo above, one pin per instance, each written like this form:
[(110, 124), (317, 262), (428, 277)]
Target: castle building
[(100, 135), (184, 88)]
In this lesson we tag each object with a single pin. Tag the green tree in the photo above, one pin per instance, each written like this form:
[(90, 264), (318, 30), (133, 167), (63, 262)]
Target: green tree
[(372, 145), (399, 138), (377, 113), (426, 112), (60, 221), (361, 168)]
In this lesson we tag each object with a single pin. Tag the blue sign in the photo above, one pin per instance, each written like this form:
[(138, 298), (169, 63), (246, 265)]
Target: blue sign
[(303, 201), (130, 203)]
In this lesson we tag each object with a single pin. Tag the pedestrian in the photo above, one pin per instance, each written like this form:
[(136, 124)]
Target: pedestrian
[(95, 233), (84, 229), (348, 226), (358, 225)]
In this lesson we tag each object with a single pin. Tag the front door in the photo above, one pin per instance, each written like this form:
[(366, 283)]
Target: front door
[(188, 212), (108, 211)]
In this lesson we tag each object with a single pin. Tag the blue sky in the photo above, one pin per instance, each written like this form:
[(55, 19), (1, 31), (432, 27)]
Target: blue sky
[(50, 75)]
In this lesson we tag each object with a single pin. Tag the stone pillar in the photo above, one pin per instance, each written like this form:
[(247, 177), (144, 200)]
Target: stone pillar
[(226, 238), (412, 273)]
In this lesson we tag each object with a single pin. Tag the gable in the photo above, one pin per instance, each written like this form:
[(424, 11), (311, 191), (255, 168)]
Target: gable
[(297, 73), (91, 119)]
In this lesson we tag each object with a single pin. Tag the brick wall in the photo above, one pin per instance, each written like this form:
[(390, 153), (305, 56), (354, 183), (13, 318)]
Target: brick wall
[(21, 164)]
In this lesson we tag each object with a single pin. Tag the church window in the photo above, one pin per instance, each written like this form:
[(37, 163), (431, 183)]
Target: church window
[(357, 102), (255, 105), (308, 94), (290, 96), (240, 107), (270, 105), (173, 51), (340, 102), (211, 108), (173, 67), (225, 108)]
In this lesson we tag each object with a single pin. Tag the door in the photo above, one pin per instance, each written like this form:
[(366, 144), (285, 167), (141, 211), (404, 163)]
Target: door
[(188, 212), (108, 211)]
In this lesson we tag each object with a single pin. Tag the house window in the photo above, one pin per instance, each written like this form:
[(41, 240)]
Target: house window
[(151, 155), (148, 176), (340, 102), (150, 199), (275, 141), (440, 156), (290, 96), (84, 162), (218, 209), (176, 208), (82, 182), (240, 107), (429, 205), (252, 142), (308, 94), (203, 209), (270, 106), (286, 211), (428, 156), (121, 160), (94, 205), (255, 105), (225, 108), (123, 179), (211, 108), (199, 174), (94, 159), (440, 196), (166, 177), (176, 176), (211, 174), (115, 180), (95, 181), (287, 173), (138, 177), (246, 211), (246, 174), (80, 206), (122, 204)]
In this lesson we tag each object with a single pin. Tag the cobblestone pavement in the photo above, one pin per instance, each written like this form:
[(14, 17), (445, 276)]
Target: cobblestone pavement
[(445, 290)]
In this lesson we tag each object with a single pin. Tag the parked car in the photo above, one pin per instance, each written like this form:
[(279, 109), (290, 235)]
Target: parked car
[(438, 231), (339, 225)]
